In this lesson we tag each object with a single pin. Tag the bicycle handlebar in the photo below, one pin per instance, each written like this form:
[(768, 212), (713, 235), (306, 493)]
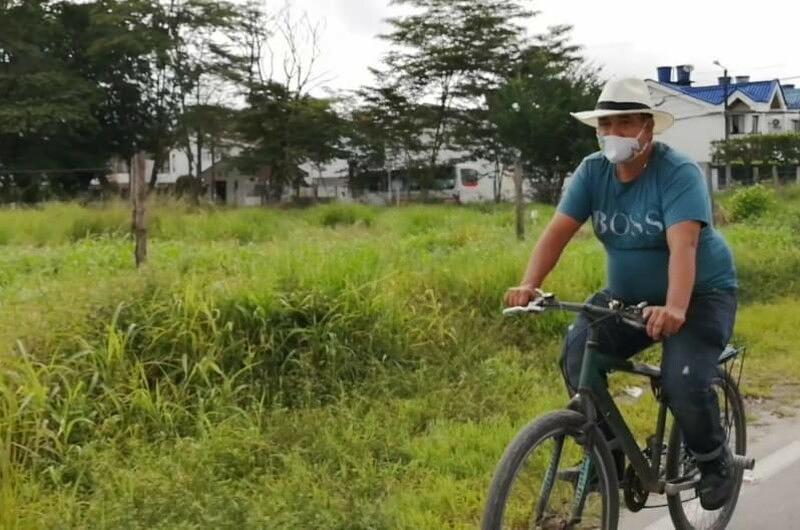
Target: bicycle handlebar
[(630, 315)]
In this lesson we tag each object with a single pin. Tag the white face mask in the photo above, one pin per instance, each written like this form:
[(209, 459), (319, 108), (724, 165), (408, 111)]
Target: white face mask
[(618, 149)]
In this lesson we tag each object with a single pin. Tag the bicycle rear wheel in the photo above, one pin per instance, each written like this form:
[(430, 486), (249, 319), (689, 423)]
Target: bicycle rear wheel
[(684, 508), (537, 484)]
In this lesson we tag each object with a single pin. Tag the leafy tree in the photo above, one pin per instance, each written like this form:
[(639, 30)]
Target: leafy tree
[(212, 127), (46, 119), (282, 126), (448, 53), (280, 131), (384, 133), (530, 112), (152, 54)]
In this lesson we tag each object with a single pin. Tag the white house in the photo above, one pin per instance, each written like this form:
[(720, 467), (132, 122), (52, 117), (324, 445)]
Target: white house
[(754, 107), (327, 181), (461, 179), (176, 165)]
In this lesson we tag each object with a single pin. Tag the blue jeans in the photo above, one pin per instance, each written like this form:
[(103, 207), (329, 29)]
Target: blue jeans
[(688, 364)]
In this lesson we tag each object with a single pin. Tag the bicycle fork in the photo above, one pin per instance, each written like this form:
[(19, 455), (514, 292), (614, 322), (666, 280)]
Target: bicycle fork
[(581, 489)]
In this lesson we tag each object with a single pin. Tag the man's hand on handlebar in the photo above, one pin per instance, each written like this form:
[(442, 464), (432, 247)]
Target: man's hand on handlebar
[(663, 321), (520, 296)]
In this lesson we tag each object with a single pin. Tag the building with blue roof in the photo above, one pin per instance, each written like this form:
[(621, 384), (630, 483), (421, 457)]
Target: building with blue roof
[(753, 107)]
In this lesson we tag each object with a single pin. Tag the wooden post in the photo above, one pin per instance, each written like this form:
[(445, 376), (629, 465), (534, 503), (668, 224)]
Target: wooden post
[(775, 179), (520, 209), (138, 190), (797, 174)]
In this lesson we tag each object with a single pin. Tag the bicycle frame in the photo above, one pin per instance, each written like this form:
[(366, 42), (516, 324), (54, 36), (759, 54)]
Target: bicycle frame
[(593, 399)]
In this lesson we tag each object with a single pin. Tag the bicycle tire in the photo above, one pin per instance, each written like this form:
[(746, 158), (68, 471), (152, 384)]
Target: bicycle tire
[(675, 503), (568, 423)]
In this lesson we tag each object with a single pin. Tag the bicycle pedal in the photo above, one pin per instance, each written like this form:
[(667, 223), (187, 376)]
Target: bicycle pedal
[(674, 487), (744, 462)]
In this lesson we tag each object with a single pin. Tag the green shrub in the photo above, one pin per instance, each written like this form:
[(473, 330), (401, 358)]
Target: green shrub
[(333, 215), (751, 202), (100, 223)]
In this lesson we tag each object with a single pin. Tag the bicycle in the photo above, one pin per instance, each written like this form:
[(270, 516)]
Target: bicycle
[(587, 496)]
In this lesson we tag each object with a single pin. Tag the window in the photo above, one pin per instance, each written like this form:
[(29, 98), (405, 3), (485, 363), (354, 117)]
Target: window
[(469, 177), (444, 178), (441, 184), (796, 125), (755, 124), (258, 190), (736, 123)]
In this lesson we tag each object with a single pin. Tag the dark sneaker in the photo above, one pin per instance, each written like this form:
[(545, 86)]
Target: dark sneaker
[(716, 481)]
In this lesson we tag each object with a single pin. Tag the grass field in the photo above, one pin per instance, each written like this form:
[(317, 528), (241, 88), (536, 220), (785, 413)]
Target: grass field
[(337, 367)]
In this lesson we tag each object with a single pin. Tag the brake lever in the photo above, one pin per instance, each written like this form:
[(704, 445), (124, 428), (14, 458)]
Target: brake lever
[(636, 319)]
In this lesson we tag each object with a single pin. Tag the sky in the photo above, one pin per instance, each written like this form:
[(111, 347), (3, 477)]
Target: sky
[(624, 37)]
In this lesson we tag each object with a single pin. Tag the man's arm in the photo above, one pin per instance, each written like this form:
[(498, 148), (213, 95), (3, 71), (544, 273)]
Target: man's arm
[(544, 257), (682, 239)]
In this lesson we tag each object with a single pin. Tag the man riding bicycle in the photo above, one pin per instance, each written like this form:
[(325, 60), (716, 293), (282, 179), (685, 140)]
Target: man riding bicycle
[(650, 208)]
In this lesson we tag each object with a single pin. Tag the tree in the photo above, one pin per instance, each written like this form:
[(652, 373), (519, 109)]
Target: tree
[(46, 119), (82, 83), (449, 53), (283, 125), (325, 130), (384, 133), (212, 127), (530, 112), (152, 54), (281, 131)]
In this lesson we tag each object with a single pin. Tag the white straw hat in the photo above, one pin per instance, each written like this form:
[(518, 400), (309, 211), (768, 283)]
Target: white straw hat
[(626, 96)]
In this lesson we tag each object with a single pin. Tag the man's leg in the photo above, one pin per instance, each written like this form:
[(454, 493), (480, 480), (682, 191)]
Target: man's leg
[(615, 339), (688, 368)]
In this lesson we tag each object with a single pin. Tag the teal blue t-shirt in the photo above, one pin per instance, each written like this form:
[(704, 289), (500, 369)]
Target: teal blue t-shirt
[(631, 219)]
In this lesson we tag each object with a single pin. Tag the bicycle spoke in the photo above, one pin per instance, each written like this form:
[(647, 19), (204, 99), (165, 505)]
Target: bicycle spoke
[(548, 481)]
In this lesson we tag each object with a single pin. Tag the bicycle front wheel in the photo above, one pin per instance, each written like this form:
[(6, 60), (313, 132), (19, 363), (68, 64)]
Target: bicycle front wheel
[(554, 477)]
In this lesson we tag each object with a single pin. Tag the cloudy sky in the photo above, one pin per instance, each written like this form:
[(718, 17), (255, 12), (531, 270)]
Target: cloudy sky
[(625, 37)]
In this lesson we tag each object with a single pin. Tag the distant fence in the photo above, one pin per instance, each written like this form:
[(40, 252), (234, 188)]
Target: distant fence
[(745, 175)]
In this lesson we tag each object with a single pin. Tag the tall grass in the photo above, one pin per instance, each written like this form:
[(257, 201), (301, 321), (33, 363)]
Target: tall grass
[(328, 368)]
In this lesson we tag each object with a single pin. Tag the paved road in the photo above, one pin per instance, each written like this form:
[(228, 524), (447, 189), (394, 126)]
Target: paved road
[(770, 497)]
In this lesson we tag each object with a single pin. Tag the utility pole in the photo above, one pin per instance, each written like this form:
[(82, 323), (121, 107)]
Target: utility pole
[(725, 81)]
